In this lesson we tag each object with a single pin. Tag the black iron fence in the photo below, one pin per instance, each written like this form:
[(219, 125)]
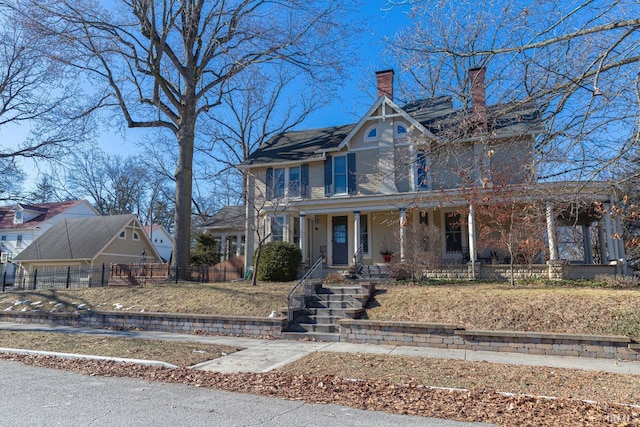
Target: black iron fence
[(118, 275)]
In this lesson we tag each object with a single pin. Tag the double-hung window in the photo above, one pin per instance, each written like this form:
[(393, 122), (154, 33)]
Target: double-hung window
[(422, 181), (453, 232), (278, 182), (340, 175), (19, 241), (294, 181), (287, 182), (277, 228)]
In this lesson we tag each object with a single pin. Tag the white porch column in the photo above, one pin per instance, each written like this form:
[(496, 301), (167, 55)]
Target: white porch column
[(223, 247), (620, 241), (267, 226), (602, 242), (403, 229), (611, 248), (356, 235), (473, 256), (551, 232), (586, 243), (303, 235)]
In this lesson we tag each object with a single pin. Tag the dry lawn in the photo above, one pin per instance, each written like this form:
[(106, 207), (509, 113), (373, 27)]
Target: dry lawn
[(238, 299), (182, 354), (532, 380), (497, 306)]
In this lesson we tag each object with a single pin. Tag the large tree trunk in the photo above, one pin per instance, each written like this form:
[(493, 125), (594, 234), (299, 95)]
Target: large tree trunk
[(184, 190)]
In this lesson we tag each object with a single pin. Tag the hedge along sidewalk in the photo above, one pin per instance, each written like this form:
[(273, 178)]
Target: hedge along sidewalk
[(448, 336)]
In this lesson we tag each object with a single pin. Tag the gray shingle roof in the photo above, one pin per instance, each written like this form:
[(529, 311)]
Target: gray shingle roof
[(228, 217), (299, 145), (75, 238), (436, 114)]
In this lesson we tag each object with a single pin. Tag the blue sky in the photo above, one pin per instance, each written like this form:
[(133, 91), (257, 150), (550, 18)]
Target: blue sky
[(351, 101)]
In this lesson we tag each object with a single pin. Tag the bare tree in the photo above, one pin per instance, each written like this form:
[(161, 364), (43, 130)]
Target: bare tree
[(35, 95), (165, 64), (577, 60)]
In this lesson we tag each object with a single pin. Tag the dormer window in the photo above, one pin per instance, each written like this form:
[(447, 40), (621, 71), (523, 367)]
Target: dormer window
[(18, 217), (371, 134)]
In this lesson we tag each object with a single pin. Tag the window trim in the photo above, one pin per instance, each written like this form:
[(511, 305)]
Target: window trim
[(372, 128), (346, 175)]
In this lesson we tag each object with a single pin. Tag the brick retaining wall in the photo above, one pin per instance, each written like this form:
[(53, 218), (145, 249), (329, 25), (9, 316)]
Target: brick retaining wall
[(440, 335), (163, 322)]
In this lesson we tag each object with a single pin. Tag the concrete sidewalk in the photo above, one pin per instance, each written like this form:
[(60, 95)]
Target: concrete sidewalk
[(259, 355)]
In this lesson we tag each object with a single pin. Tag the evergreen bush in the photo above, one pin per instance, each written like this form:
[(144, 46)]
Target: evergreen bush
[(279, 262)]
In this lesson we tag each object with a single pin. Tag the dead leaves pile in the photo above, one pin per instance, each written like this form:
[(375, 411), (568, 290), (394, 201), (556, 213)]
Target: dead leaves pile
[(372, 394)]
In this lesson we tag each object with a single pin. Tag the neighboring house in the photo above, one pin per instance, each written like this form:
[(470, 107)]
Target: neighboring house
[(161, 239), (228, 228), (21, 224), (89, 241), (345, 192)]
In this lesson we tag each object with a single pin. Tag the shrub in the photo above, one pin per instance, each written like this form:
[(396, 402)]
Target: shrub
[(279, 262), (205, 251)]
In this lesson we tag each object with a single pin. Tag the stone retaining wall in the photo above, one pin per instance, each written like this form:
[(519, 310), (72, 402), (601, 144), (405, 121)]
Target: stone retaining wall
[(449, 336), (163, 322)]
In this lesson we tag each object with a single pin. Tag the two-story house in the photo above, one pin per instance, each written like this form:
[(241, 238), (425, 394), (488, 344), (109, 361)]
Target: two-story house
[(21, 224), (349, 193)]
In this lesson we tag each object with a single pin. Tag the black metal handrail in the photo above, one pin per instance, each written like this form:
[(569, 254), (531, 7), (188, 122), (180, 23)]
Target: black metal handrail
[(297, 298), (357, 259)]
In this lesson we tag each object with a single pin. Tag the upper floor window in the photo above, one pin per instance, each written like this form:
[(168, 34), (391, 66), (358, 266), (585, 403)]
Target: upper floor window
[(19, 241), (136, 236), (294, 181), (371, 134), (401, 130), (340, 175), (278, 182), (422, 180), (18, 217), (122, 235), (287, 182)]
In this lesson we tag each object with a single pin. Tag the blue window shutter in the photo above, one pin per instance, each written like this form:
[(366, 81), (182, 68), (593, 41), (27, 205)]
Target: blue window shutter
[(351, 175), (328, 177), (304, 181), (269, 183)]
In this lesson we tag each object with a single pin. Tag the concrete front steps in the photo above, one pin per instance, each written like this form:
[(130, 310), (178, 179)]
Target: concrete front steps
[(319, 320)]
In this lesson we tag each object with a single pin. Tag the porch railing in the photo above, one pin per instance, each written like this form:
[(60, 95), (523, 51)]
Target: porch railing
[(305, 288), (357, 260)]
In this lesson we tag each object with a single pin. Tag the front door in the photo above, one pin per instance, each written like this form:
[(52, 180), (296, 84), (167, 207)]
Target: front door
[(339, 240)]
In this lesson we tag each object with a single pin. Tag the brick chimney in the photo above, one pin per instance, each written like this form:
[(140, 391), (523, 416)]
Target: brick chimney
[(385, 83), (478, 100)]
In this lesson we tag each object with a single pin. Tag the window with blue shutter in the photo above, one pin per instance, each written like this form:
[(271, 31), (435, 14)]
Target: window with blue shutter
[(304, 181), (328, 175), (269, 183), (351, 177)]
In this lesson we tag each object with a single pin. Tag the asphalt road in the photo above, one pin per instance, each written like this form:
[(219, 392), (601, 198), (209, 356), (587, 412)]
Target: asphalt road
[(31, 396)]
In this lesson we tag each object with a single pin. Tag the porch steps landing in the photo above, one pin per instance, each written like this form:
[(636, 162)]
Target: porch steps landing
[(319, 320)]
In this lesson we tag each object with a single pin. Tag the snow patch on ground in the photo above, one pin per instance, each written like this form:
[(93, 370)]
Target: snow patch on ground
[(21, 302), (117, 306)]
